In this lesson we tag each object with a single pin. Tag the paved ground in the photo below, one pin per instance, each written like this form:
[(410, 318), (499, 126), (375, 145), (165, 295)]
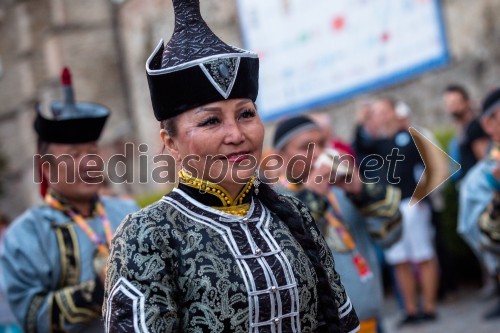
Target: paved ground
[(460, 314)]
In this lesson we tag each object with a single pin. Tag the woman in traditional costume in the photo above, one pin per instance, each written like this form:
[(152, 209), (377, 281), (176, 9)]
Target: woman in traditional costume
[(223, 252)]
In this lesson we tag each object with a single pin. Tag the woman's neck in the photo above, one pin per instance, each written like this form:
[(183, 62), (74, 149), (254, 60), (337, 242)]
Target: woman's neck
[(85, 208), (232, 188)]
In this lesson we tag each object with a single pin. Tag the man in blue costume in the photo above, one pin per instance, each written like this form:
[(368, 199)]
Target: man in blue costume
[(479, 214), (352, 215), (54, 255)]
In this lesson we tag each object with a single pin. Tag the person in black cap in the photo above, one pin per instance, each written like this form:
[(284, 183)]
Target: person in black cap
[(222, 252), (352, 215), (54, 254), (479, 205), (471, 142)]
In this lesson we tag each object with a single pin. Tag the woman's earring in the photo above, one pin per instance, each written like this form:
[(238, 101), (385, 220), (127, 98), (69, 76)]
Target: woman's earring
[(256, 183)]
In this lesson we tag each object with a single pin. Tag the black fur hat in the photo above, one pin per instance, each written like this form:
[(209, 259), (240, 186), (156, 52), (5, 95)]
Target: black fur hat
[(196, 68)]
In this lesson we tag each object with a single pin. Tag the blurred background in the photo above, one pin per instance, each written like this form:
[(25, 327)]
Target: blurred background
[(320, 55)]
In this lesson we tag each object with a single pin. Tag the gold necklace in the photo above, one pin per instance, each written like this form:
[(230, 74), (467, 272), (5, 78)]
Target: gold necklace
[(229, 205)]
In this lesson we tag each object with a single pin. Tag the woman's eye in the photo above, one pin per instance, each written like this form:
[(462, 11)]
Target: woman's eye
[(248, 114), (209, 121)]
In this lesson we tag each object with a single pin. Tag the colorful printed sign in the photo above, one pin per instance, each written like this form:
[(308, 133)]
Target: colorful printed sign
[(317, 52)]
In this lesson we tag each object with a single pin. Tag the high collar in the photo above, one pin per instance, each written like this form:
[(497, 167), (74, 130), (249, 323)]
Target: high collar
[(214, 195)]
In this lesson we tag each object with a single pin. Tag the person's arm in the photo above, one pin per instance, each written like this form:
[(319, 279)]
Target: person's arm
[(140, 278), (489, 224), (347, 314), (316, 203), (380, 205), (29, 281)]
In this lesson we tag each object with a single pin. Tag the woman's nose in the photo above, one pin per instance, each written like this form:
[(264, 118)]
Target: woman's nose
[(234, 134)]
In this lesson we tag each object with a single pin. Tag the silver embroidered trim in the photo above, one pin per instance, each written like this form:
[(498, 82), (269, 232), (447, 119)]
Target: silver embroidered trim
[(193, 63), (357, 329), (253, 293), (345, 309), (125, 287)]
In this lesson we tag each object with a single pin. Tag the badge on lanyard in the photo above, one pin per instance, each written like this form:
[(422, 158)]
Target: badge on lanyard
[(340, 239)]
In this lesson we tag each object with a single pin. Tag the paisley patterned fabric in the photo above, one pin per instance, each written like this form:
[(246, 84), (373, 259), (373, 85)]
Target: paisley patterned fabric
[(181, 266)]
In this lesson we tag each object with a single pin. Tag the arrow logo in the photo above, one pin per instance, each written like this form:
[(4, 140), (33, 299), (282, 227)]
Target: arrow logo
[(439, 166)]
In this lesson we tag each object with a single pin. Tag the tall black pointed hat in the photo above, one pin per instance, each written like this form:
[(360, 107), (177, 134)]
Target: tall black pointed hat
[(68, 121), (196, 68)]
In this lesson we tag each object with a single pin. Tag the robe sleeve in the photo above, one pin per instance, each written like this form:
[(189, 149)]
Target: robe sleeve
[(28, 279), (140, 279), (489, 224), (379, 204), (475, 195)]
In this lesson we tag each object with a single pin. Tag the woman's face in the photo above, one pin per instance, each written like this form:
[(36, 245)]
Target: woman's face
[(220, 142), (302, 151), (69, 172)]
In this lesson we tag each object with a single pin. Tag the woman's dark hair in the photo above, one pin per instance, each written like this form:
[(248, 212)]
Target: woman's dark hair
[(287, 214), (169, 126)]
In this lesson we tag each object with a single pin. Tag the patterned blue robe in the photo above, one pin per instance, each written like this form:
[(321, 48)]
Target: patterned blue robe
[(478, 224), (48, 269)]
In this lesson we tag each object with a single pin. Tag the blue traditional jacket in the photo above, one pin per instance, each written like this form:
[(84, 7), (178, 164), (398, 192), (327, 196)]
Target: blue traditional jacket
[(48, 269), (479, 213)]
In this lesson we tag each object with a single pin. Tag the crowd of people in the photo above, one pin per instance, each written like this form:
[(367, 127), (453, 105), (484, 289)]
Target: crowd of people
[(294, 248)]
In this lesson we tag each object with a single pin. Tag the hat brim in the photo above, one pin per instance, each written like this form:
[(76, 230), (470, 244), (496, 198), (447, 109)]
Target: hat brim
[(70, 131), (176, 91)]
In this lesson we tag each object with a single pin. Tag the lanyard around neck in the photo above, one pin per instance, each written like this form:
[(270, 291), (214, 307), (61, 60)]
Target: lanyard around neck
[(336, 220), (103, 247)]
